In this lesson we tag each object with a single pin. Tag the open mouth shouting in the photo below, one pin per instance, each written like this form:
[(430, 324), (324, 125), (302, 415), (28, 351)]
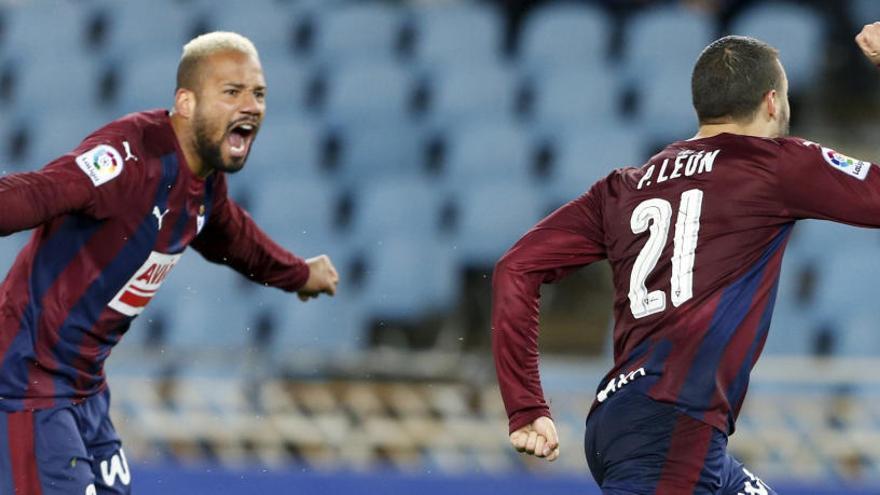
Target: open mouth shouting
[(239, 138)]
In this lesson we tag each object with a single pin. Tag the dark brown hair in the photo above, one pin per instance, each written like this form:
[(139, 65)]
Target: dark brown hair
[(732, 76)]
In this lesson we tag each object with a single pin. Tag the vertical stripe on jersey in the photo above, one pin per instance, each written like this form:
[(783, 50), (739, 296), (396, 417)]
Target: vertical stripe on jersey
[(5, 456), (86, 312), (50, 260), (175, 245), (735, 304), (736, 391), (20, 431)]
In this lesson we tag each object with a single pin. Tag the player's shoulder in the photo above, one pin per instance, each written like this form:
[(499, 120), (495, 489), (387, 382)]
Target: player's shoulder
[(149, 132)]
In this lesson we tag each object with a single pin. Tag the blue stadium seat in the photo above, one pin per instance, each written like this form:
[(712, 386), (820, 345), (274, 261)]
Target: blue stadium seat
[(356, 31), (666, 111), (487, 152), (266, 23), (375, 153), (431, 287), (327, 325), (10, 246), (39, 90), (135, 29), (864, 12), (815, 239), (576, 96), (492, 216), (292, 209), (463, 34), (794, 323), (147, 82), (565, 35), (288, 84), (368, 92), (54, 28), (584, 155), (463, 93), (651, 46), (287, 146), (53, 136), (394, 207), (795, 30), (205, 310)]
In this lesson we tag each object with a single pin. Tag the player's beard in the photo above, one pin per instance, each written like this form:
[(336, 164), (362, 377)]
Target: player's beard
[(209, 151)]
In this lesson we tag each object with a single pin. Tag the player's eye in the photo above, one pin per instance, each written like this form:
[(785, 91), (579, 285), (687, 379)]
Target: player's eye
[(260, 95), (231, 92)]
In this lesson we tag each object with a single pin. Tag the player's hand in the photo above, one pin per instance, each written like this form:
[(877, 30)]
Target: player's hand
[(538, 439), (869, 41), (322, 278)]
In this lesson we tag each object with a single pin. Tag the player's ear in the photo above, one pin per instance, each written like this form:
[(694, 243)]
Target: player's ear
[(184, 103), (772, 105)]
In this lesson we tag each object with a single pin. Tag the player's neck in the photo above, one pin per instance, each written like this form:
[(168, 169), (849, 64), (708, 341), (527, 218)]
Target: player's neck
[(755, 129), (185, 139)]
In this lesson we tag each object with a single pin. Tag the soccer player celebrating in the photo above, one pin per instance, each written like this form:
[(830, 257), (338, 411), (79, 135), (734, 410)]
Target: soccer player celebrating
[(695, 239), (112, 218)]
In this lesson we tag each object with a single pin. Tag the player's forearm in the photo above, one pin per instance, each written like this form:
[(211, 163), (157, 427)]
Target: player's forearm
[(235, 240), (515, 306), (30, 199)]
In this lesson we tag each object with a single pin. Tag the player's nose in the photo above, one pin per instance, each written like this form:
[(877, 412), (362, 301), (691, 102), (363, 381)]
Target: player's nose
[(252, 105)]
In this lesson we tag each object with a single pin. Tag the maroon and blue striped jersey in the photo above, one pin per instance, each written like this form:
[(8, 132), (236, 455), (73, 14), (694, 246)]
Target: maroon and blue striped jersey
[(112, 219), (695, 239)]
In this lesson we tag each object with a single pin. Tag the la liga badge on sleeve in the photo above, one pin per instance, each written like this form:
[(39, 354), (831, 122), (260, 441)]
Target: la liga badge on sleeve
[(102, 163)]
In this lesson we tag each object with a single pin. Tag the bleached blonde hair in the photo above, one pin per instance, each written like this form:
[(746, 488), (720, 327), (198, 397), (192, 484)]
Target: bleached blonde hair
[(203, 46)]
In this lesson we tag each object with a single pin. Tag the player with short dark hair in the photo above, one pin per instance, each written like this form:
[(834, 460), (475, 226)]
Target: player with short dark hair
[(695, 239), (112, 219)]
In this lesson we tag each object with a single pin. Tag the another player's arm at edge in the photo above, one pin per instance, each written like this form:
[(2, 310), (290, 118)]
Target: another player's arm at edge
[(232, 238), (569, 238)]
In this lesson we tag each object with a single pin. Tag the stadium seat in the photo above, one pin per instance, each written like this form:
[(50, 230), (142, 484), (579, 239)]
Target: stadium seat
[(584, 155), (288, 83), (147, 82), (795, 30), (379, 152), (53, 136), (40, 91), (288, 146), (136, 29), (267, 24), (325, 326), (291, 209), (32, 30), (205, 311), (464, 34), (9, 248), (432, 286), (576, 96), (463, 93), (395, 207), (365, 31), (364, 93), (651, 46), (492, 216), (488, 151), (666, 110), (565, 35)]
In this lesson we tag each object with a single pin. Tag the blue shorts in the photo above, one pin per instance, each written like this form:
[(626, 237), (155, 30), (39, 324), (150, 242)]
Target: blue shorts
[(71, 449), (638, 446)]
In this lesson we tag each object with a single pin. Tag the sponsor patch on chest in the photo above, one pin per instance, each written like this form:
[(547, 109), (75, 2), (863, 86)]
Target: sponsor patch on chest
[(143, 285), (848, 165)]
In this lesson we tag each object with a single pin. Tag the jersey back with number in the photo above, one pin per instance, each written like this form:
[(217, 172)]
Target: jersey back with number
[(695, 239)]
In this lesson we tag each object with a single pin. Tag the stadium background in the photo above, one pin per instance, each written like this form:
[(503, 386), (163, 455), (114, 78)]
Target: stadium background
[(413, 142)]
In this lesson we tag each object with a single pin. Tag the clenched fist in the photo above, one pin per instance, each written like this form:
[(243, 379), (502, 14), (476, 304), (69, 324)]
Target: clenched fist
[(322, 278), (538, 439), (869, 41)]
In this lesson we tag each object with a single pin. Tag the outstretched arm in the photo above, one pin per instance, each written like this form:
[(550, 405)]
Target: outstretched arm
[(569, 238), (32, 198), (232, 238)]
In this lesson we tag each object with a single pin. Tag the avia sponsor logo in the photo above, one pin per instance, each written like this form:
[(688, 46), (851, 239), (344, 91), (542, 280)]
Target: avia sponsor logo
[(615, 384), (101, 163), (856, 168), (141, 288)]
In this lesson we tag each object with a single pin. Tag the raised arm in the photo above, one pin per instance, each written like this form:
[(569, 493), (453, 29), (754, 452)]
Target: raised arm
[(569, 238)]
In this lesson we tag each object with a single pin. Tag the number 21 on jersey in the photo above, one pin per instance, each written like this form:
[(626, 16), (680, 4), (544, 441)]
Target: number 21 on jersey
[(656, 215)]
